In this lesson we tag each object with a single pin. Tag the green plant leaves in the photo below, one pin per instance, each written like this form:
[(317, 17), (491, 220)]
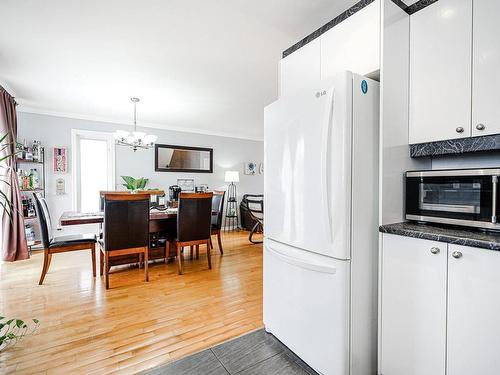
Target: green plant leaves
[(134, 184)]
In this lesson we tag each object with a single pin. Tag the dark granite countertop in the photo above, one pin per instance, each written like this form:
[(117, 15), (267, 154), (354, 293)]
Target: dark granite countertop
[(453, 235)]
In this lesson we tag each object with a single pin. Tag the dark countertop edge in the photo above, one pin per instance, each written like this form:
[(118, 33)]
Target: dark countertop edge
[(452, 235)]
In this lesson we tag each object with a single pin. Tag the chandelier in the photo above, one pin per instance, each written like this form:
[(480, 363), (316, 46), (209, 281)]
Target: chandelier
[(135, 139)]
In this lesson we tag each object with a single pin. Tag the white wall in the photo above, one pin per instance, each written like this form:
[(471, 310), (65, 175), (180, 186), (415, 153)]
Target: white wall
[(229, 153)]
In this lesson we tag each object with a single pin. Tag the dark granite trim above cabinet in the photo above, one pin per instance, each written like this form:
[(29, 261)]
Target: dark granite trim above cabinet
[(453, 235), (419, 5), (323, 29), (410, 9), (456, 146)]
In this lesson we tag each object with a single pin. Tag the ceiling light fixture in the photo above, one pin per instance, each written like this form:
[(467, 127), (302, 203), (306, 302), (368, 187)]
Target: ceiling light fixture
[(135, 139)]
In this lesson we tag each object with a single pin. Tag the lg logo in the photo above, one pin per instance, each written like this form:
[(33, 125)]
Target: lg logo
[(320, 93)]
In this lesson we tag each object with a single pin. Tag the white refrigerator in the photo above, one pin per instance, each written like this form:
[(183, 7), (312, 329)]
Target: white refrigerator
[(321, 223)]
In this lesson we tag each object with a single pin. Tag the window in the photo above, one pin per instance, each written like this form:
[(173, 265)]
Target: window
[(93, 167)]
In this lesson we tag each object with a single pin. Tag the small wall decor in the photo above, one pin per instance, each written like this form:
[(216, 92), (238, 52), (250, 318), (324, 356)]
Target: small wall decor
[(60, 186), (261, 168), (250, 168), (60, 160), (186, 184)]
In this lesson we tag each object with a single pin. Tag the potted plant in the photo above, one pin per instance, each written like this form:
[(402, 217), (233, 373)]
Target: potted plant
[(134, 184), (11, 330)]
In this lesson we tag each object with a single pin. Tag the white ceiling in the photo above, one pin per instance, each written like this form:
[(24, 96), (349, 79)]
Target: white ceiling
[(208, 66)]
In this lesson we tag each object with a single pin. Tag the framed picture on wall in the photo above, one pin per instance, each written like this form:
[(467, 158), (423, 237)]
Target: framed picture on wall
[(250, 168), (60, 160)]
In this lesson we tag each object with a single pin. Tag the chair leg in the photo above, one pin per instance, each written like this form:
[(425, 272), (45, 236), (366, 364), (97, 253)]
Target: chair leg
[(92, 252), (252, 232), (179, 260), (191, 252), (146, 269), (106, 269), (198, 252), (101, 262), (209, 256), (167, 251), (211, 244), (219, 240), (45, 267)]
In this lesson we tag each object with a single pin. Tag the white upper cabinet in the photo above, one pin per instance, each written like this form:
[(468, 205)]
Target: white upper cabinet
[(440, 71), (413, 323), (473, 311), (486, 77), (300, 68), (353, 44)]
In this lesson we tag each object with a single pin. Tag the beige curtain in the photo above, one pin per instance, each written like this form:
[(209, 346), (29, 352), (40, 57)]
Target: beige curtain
[(14, 246)]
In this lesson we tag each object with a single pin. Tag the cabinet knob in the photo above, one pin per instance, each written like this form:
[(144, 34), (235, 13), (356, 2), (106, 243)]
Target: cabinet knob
[(480, 127), (459, 129), (456, 254), (435, 250)]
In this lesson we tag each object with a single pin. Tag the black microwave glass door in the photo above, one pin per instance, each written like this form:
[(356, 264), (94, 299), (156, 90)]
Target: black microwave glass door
[(461, 197)]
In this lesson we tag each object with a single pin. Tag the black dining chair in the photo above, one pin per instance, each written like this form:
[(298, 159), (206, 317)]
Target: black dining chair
[(194, 217), (217, 206), (254, 204), (126, 229), (61, 244)]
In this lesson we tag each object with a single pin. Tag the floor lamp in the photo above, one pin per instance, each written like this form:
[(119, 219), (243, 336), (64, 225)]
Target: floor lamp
[(231, 221)]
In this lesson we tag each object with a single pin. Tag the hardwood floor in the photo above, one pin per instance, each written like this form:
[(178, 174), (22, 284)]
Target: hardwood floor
[(134, 326)]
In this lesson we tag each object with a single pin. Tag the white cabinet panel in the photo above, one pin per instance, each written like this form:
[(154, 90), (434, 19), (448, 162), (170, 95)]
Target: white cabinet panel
[(353, 44), (301, 68), (486, 66), (440, 71), (473, 311), (413, 320)]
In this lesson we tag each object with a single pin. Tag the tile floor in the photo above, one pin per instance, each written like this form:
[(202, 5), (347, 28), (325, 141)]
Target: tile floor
[(256, 353)]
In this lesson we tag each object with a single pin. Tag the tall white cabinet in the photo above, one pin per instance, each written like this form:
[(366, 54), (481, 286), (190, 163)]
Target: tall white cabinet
[(440, 71), (486, 63), (440, 308)]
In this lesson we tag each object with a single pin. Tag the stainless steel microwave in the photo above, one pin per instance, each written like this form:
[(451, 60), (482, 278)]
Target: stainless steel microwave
[(455, 196)]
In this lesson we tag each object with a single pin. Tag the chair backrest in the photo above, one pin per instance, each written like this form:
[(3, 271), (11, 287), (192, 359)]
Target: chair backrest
[(218, 206), (194, 216), (254, 203), (43, 214), (126, 221)]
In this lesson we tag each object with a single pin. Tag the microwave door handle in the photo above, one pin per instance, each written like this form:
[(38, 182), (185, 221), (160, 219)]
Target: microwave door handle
[(494, 180)]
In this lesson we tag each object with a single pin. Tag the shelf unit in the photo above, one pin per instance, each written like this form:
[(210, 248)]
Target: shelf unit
[(33, 221)]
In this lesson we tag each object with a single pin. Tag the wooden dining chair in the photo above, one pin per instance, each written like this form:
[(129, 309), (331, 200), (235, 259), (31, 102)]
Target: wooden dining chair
[(217, 206), (126, 229), (62, 244), (194, 217)]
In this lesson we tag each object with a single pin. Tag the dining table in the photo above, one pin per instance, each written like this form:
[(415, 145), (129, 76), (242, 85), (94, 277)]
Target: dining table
[(162, 223)]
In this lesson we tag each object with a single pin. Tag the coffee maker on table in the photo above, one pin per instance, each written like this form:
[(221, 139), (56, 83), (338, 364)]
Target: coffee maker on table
[(173, 193)]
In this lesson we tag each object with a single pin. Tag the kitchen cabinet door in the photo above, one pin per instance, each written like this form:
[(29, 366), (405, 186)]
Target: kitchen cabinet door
[(485, 78), (440, 71), (473, 311), (353, 44), (413, 306), (301, 68)]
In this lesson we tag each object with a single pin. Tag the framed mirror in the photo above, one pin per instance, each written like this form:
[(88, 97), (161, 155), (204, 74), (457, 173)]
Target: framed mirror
[(170, 158)]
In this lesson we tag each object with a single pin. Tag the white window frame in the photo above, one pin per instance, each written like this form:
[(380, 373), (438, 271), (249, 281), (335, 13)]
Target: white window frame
[(76, 135)]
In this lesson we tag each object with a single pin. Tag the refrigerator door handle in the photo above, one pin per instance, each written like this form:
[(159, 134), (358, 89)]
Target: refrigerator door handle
[(326, 162), (301, 263)]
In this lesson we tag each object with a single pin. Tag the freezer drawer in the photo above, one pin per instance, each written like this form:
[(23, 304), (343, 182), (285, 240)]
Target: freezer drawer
[(306, 300)]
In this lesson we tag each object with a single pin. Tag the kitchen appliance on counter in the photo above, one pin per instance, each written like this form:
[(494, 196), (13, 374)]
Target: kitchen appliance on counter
[(173, 193), (454, 196), (321, 225)]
